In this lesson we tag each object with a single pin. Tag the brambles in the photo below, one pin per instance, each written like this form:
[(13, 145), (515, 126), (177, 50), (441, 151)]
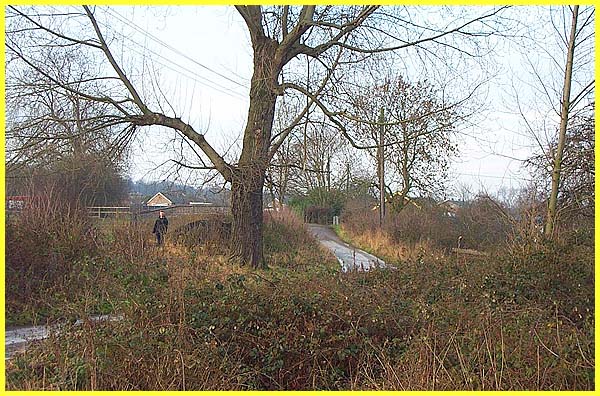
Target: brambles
[(43, 244), (192, 321)]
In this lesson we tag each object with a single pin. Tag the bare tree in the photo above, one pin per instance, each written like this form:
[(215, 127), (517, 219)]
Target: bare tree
[(559, 56), (419, 135), (55, 137), (334, 37), (571, 43), (575, 196)]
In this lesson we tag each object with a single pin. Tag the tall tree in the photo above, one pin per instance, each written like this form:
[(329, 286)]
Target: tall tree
[(558, 57), (419, 135), (54, 138), (335, 37), (564, 119)]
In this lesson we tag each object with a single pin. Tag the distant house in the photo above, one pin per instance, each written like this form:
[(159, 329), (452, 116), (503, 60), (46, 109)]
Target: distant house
[(275, 205), (450, 208), (159, 200)]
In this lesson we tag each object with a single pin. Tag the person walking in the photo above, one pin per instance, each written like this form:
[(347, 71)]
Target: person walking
[(161, 226)]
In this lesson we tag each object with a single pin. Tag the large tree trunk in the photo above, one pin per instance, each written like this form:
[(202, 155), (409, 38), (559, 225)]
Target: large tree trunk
[(247, 210), (249, 176)]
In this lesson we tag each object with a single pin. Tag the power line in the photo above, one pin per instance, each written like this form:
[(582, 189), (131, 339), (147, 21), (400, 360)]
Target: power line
[(166, 45), (492, 176), (207, 82)]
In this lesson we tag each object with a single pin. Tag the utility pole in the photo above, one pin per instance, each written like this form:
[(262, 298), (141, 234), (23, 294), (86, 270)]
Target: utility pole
[(347, 177), (328, 174), (380, 163)]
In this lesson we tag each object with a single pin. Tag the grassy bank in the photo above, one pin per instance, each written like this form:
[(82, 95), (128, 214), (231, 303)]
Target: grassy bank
[(193, 321), (521, 318)]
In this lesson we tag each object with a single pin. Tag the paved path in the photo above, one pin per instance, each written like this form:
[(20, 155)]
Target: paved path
[(350, 257), (17, 338)]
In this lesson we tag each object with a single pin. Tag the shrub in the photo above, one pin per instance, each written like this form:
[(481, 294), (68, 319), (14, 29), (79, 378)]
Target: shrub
[(482, 224), (43, 244), (319, 205), (190, 321), (212, 234), (288, 243)]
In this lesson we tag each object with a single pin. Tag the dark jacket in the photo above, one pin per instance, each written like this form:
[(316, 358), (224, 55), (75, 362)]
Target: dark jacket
[(161, 225)]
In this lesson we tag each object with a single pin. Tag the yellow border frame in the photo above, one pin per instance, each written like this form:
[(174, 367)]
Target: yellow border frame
[(297, 393)]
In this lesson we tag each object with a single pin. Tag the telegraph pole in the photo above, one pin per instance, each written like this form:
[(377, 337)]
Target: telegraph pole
[(380, 163)]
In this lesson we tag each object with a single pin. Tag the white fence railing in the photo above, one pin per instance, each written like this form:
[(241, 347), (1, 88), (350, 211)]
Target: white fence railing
[(108, 211), (173, 210)]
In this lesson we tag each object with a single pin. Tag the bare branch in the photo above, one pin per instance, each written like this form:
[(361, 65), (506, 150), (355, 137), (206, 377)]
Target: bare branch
[(284, 134), (253, 17), (67, 86), (159, 119), (284, 21), (318, 50), (304, 23), (136, 97), (54, 32), (193, 166)]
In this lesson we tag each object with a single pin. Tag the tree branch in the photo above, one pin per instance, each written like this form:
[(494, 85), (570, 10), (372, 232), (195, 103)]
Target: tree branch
[(160, 119), (318, 50), (284, 134), (304, 22), (53, 32), (193, 166), (136, 97), (284, 21), (253, 17), (66, 86), (294, 166), (582, 93), (346, 29)]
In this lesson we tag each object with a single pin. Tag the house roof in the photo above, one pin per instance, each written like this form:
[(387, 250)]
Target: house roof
[(159, 199)]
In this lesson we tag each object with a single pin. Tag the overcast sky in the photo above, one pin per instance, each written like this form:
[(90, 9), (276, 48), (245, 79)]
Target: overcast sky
[(204, 58)]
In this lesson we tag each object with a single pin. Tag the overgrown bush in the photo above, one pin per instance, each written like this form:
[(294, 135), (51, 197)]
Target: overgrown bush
[(191, 321), (502, 322), (411, 226), (288, 243), (210, 234), (44, 242), (319, 205), (485, 223), (482, 224)]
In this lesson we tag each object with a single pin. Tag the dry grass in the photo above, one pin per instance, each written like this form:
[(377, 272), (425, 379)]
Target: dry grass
[(380, 244), (192, 321)]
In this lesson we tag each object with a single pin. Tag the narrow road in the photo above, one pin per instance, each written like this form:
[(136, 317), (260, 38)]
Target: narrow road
[(17, 338), (350, 257)]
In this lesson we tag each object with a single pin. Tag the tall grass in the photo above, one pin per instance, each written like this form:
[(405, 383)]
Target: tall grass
[(43, 244), (192, 321), (520, 318)]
